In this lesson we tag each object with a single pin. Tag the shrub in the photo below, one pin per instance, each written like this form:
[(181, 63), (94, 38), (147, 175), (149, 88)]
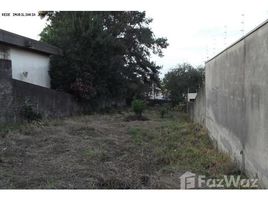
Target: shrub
[(138, 107), (164, 110), (29, 114)]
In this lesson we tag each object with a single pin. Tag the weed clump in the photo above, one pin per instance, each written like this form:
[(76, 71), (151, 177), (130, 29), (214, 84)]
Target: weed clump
[(138, 107), (164, 111), (28, 113)]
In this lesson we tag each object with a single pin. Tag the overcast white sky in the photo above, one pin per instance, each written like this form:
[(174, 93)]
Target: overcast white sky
[(196, 30)]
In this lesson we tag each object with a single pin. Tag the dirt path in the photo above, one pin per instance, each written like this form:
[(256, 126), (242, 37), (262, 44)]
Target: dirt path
[(96, 151)]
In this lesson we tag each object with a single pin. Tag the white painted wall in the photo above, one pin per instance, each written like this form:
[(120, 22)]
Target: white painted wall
[(35, 65)]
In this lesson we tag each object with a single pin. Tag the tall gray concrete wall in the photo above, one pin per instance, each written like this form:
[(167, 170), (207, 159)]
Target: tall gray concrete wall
[(237, 102), (197, 109)]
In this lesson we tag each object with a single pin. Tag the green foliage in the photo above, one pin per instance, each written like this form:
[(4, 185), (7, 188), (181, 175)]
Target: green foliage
[(28, 113), (163, 110), (182, 146), (105, 54), (138, 106), (50, 183), (5, 129), (136, 134), (98, 153), (179, 80), (180, 107)]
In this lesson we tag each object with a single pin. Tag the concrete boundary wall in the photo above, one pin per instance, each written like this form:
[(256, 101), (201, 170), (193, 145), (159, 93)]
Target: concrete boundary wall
[(15, 94), (236, 102), (5, 91), (197, 109), (48, 102)]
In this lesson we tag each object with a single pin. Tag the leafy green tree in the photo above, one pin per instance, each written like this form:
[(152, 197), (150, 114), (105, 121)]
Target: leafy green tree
[(182, 79), (105, 54)]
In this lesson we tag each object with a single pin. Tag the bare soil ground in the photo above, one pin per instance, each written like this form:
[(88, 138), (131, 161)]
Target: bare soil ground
[(107, 151)]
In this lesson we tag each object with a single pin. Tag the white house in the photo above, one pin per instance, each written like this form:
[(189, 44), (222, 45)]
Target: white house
[(156, 93), (30, 58), (191, 97)]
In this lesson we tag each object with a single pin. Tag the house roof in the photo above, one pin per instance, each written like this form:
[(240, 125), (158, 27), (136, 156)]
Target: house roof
[(13, 39)]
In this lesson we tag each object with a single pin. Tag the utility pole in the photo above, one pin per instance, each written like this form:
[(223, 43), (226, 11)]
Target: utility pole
[(214, 46), (187, 102), (206, 53), (225, 35), (243, 24)]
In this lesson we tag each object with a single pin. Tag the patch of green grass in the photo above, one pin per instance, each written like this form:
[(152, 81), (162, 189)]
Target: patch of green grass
[(5, 129), (136, 134), (187, 150), (22, 128), (51, 184), (183, 146), (89, 153), (96, 153), (55, 122)]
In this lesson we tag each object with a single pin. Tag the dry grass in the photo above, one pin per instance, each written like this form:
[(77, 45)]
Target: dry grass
[(105, 151)]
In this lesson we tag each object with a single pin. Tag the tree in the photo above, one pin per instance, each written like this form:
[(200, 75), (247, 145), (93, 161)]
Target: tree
[(105, 54), (181, 79)]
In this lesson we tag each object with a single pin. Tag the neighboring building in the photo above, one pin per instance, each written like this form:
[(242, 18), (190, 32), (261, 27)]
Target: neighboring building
[(30, 58), (191, 97), (156, 93)]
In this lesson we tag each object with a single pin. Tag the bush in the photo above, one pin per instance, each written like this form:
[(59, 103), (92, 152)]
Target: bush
[(29, 114), (164, 109), (138, 107)]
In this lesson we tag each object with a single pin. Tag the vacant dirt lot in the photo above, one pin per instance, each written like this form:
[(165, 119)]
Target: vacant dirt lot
[(106, 151)]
